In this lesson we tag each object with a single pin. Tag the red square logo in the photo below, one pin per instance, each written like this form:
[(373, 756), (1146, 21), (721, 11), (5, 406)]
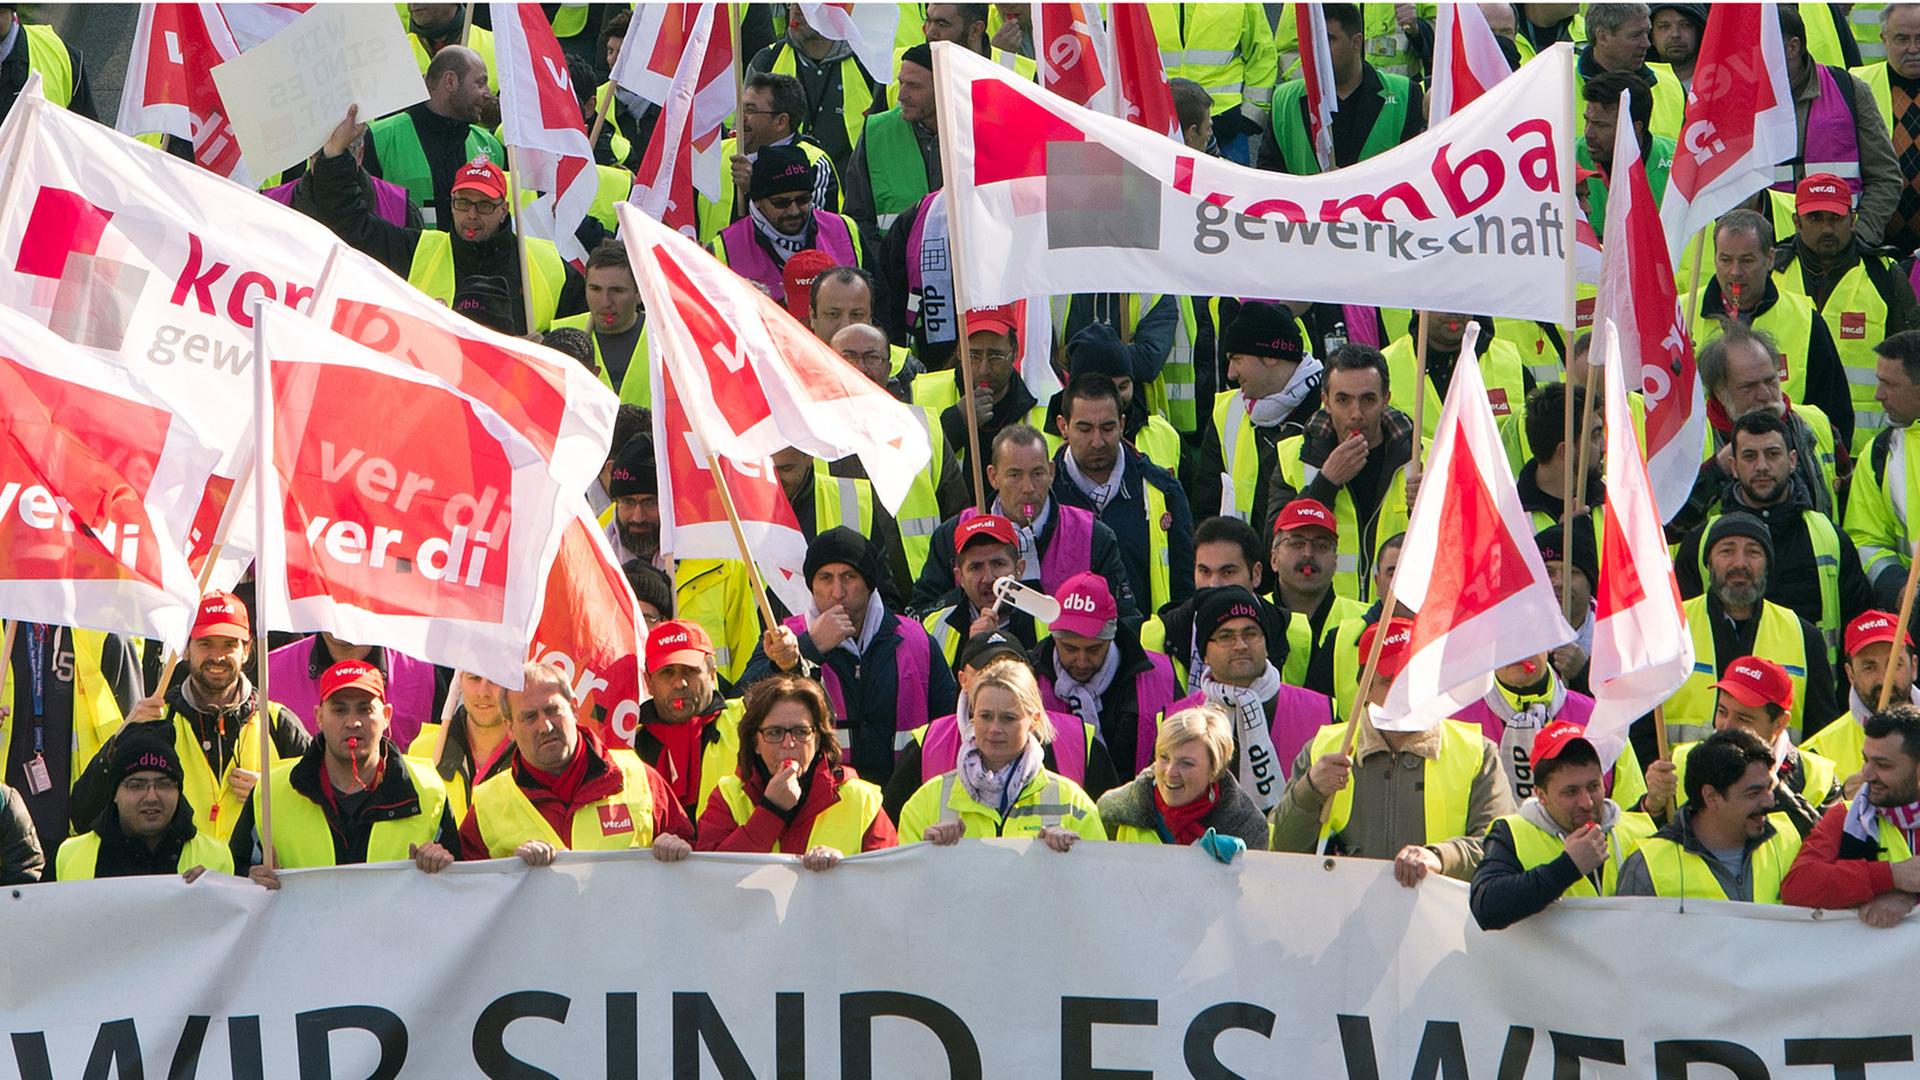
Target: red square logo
[(1853, 325), (1497, 398), (615, 818), (1583, 313)]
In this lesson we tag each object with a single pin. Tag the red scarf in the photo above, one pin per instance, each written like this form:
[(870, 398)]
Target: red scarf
[(1185, 822), (566, 784), (680, 756), (1722, 423)]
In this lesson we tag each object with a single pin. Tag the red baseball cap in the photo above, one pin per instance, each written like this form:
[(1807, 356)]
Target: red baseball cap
[(677, 642), (1872, 628), (1305, 514), (353, 675), (992, 526), (221, 615), (1823, 191), (797, 276), (1393, 652), (1087, 607), (1755, 681), (998, 320), (1554, 738), (483, 176)]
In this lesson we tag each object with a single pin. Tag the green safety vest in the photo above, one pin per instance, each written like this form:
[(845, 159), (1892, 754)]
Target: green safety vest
[(1352, 568), (1445, 792), (79, 856), (1817, 775), (1536, 847), (303, 837), (855, 97), (1677, 872), (396, 142), (1826, 557), (636, 385), (1296, 142), (47, 57), (432, 273), (1689, 712), (895, 170)]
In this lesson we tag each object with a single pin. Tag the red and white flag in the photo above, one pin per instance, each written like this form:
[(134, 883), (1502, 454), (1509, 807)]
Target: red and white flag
[(591, 629), (1467, 60), (756, 380), (169, 87), (1739, 122), (1469, 567), (1071, 51), (408, 515), (99, 481), (663, 185), (1642, 651), (689, 47), (540, 117), (1140, 78), (1316, 68), (1638, 294), (868, 29), (1587, 253)]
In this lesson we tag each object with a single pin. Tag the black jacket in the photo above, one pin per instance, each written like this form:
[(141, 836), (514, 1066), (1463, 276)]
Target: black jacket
[(1120, 705), (443, 142), (128, 856), (21, 861), (936, 582), (1233, 813), (1126, 515), (394, 800), (1011, 409), (15, 69), (1503, 891)]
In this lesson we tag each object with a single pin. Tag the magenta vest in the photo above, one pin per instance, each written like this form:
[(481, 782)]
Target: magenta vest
[(1154, 689), (389, 202), (751, 261), (409, 689), (911, 660), (915, 237), (1298, 715), (1070, 551), (1831, 138), (940, 753), (1578, 708)]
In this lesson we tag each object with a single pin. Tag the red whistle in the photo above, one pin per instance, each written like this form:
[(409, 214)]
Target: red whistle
[(1529, 666), (790, 763)]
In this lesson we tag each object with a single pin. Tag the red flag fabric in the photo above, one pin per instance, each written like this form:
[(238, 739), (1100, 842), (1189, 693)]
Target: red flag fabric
[(663, 184), (1642, 651), (1469, 567), (1143, 95), (689, 46), (591, 629), (540, 116), (1467, 60), (1739, 122), (1639, 295), (99, 480), (1070, 50), (169, 87), (1316, 67)]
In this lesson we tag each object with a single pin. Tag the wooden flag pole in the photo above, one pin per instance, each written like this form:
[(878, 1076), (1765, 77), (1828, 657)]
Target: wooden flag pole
[(739, 103), (740, 538), (600, 114), (1367, 678), (262, 463), (1566, 500), (944, 121), (1419, 388), (966, 408), (466, 23), (1580, 437), (520, 241), (1906, 612)]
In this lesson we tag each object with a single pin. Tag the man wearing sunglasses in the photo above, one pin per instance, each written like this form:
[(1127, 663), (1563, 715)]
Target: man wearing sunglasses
[(781, 222)]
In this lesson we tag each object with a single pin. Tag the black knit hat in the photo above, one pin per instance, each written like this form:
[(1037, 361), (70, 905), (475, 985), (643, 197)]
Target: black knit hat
[(140, 752), (1585, 557), (633, 469), (1223, 605), (1739, 524), (778, 170), (1098, 350), (843, 545), (1263, 329), (487, 300), (650, 586), (920, 55)]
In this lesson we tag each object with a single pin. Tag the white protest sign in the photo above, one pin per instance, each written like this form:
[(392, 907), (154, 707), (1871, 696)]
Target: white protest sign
[(286, 95)]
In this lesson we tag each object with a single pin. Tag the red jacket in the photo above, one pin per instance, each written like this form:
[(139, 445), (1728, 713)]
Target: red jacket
[(602, 780), (767, 827), (1833, 870)]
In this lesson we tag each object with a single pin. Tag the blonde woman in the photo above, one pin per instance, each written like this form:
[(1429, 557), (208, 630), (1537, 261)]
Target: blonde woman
[(1000, 786), (1188, 795)]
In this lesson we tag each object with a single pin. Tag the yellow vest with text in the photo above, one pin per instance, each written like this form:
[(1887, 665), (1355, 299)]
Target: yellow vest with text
[(432, 273), (1789, 322), (841, 826), (1446, 790), (1677, 872), (79, 856), (1501, 368), (636, 384), (96, 714), (1352, 574), (302, 836), (1856, 319), (1689, 712), (507, 818), (1535, 847)]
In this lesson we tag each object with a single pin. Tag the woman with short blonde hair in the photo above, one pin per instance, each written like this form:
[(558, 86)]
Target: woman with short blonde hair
[(1188, 795)]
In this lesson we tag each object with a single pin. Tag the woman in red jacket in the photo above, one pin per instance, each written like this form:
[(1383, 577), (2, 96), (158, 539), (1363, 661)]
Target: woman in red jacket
[(791, 794)]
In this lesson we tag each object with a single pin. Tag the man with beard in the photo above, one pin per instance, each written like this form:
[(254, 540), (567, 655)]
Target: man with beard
[(1861, 855), (1305, 537), (1723, 844), (1733, 618), (209, 718), (1876, 650), (1816, 569), (421, 147), (1676, 33), (1757, 695)]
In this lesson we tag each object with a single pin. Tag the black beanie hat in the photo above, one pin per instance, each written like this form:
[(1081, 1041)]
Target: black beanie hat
[(778, 170), (1263, 329), (843, 545), (1738, 523), (633, 469), (1223, 605), (1584, 557), (140, 752), (1098, 350)]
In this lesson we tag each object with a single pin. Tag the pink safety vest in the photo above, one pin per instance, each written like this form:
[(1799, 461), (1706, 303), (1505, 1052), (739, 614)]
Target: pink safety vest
[(750, 260), (1070, 551), (389, 202), (940, 753), (410, 684), (1154, 690), (1298, 715), (1831, 137), (911, 666)]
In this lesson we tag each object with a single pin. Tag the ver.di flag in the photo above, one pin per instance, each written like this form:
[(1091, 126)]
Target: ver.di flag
[(540, 119)]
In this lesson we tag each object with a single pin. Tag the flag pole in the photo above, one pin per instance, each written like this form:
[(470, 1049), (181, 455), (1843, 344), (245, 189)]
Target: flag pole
[(1693, 284), (740, 538), (520, 239), (466, 24), (1906, 612), (600, 114), (943, 120), (262, 461), (1367, 676), (967, 394), (739, 102), (1566, 489), (1419, 387), (1579, 484)]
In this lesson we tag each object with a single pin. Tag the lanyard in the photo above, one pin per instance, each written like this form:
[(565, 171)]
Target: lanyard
[(37, 685)]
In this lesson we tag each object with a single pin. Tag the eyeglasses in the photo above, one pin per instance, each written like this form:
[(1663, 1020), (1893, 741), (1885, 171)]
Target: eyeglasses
[(1320, 545), (484, 206), (774, 736), (788, 202), (995, 356), (1250, 636), (138, 786)]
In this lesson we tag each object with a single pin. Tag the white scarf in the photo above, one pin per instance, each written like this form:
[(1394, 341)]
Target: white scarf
[(1259, 772), (1084, 697), (863, 637), (1099, 494), (784, 247), (1028, 535), (935, 300), (1272, 409), (996, 789), (1521, 724)]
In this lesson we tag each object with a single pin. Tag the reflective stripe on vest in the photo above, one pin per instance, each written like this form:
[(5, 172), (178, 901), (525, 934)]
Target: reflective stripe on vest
[(715, 593), (919, 515), (79, 856), (738, 247), (1825, 540), (47, 57), (1536, 847), (1208, 52), (1296, 145), (1817, 775), (1171, 394), (1445, 790), (1689, 711), (96, 713), (1831, 144), (832, 494), (1790, 322), (1239, 453), (941, 630), (1678, 872), (1047, 805), (215, 805), (302, 836), (842, 826), (507, 818), (1856, 319), (896, 172), (432, 273), (855, 98)]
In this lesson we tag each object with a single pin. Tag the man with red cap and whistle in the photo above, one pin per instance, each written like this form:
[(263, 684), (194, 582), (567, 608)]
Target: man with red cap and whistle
[(1305, 539), (1875, 651), (686, 730), (352, 798)]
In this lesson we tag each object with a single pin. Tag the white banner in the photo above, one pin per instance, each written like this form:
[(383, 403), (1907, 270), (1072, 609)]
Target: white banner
[(992, 959), (1475, 215)]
